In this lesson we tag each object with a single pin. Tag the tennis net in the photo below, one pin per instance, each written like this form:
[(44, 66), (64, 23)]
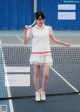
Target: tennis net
[(16, 73)]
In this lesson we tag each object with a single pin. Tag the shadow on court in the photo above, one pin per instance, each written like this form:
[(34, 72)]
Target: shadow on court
[(66, 103)]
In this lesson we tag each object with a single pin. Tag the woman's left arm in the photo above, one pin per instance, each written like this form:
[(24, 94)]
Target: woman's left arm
[(58, 41)]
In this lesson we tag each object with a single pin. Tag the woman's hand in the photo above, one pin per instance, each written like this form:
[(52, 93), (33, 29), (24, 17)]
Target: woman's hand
[(26, 28), (67, 44)]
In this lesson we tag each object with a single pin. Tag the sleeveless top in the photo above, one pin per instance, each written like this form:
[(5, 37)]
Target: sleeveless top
[(40, 39)]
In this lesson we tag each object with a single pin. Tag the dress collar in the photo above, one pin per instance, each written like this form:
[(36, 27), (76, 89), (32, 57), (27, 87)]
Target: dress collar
[(40, 28)]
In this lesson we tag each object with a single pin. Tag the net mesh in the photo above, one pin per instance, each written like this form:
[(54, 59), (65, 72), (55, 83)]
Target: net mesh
[(16, 73)]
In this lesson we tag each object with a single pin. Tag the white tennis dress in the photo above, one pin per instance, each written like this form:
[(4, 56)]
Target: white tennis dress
[(41, 52)]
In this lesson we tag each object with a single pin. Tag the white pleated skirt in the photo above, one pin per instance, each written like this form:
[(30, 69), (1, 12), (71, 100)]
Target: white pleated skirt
[(41, 59)]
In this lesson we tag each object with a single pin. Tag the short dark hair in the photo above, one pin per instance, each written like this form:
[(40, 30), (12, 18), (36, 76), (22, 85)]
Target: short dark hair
[(39, 14)]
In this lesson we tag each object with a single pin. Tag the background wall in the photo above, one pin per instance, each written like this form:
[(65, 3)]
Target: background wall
[(14, 14), (69, 22)]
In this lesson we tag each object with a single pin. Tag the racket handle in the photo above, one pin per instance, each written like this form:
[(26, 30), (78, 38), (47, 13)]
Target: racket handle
[(30, 26)]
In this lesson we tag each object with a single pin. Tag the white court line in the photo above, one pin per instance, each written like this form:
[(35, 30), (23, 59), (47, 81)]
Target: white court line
[(19, 38), (18, 80), (8, 88), (65, 80), (18, 69)]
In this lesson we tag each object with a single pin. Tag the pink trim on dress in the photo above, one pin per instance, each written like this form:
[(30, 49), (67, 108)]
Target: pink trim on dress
[(41, 52)]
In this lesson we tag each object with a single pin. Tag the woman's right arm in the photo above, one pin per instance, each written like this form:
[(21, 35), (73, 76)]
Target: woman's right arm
[(26, 38)]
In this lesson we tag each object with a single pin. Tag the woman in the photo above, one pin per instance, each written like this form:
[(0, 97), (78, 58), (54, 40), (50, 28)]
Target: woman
[(41, 53)]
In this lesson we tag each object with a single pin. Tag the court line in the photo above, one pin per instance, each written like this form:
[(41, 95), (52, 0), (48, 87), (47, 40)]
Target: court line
[(8, 88), (64, 80), (19, 38)]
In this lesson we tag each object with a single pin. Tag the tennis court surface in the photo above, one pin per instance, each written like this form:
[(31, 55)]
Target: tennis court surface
[(16, 78)]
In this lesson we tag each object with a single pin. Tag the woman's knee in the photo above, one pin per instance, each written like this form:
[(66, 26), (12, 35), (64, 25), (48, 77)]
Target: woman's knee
[(46, 71), (36, 73), (46, 75), (36, 70)]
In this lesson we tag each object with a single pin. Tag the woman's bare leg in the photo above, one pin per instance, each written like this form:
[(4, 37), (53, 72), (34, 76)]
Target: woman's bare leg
[(36, 76), (45, 77)]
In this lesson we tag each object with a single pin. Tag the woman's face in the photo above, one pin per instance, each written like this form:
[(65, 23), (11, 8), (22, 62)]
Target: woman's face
[(40, 21)]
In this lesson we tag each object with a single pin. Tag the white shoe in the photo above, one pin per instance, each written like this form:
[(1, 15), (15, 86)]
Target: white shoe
[(43, 96), (37, 96)]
